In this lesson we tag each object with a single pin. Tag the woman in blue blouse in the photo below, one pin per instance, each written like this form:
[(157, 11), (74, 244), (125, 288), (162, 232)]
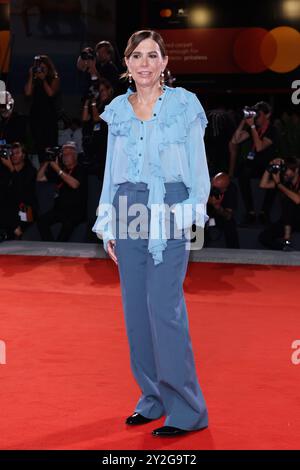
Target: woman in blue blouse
[(156, 179)]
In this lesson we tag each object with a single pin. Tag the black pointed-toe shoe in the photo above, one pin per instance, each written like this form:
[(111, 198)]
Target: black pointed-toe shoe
[(168, 431), (136, 418)]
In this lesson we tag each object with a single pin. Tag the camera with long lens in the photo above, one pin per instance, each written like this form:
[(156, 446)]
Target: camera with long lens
[(5, 149), (277, 168), (93, 91), (249, 112), (216, 192), (53, 153), (37, 64), (88, 54), (93, 94)]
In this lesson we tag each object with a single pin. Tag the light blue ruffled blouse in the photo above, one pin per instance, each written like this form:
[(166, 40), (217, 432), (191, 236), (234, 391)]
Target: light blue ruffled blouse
[(168, 147)]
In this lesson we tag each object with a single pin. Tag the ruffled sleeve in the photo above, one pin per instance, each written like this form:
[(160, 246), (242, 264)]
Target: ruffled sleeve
[(117, 116), (193, 209)]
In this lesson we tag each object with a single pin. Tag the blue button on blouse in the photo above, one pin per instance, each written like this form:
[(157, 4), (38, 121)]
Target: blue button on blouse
[(168, 147)]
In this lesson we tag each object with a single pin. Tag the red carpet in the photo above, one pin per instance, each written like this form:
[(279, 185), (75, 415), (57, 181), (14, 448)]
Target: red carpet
[(67, 382)]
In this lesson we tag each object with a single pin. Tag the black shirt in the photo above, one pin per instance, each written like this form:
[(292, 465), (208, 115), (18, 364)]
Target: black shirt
[(264, 156), (94, 143), (69, 200), (22, 185)]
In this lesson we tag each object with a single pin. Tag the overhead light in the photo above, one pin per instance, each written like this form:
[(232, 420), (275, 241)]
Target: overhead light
[(200, 16), (291, 9)]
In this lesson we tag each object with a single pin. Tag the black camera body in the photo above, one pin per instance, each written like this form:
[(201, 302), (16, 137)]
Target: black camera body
[(88, 55), (93, 94), (249, 112), (5, 150), (216, 192), (277, 168), (52, 153)]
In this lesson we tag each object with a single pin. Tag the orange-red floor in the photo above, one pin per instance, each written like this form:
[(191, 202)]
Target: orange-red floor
[(67, 383)]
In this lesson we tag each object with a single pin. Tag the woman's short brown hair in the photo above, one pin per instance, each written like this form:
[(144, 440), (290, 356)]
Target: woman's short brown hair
[(139, 36)]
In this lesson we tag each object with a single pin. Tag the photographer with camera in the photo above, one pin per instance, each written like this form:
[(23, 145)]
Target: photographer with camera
[(256, 132), (43, 87), (18, 203), (106, 65), (94, 129), (97, 64), (221, 206), (61, 166), (283, 176), (86, 63)]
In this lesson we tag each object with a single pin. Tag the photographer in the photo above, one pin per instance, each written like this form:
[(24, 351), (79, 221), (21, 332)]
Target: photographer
[(43, 87), (86, 63), (97, 64), (106, 65), (221, 206), (71, 192), (95, 129), (260, 136), (283, 176), (18, 204)]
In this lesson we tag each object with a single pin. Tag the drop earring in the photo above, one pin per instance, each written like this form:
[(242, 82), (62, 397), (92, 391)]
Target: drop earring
[(129, 77), (162, 79)]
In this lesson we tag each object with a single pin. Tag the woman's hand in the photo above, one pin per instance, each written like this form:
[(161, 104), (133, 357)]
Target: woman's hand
[(111, 250), (276, 177), (8, 163), (250, 121)]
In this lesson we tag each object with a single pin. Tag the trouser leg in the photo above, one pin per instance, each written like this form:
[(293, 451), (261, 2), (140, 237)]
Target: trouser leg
[(269, 198), (270, 235), (68, 226), (44, 224), (230, 232), (181, 393), (132, 258), (245, 186)]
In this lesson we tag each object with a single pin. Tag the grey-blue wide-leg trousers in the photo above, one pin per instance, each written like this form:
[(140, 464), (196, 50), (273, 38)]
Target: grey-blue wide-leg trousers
[(161, 354)]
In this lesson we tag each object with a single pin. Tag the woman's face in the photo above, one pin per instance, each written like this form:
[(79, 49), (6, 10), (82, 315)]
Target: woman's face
[(146, 63)]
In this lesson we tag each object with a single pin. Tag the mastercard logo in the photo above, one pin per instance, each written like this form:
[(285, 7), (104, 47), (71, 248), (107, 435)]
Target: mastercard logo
[(256, 49)]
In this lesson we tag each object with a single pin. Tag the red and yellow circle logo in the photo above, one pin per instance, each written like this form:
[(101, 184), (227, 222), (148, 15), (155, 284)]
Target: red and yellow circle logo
[(256, 49)]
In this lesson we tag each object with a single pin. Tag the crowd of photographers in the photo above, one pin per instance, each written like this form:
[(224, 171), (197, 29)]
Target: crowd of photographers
[(68, 149), (255, 147), (240, 148)]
